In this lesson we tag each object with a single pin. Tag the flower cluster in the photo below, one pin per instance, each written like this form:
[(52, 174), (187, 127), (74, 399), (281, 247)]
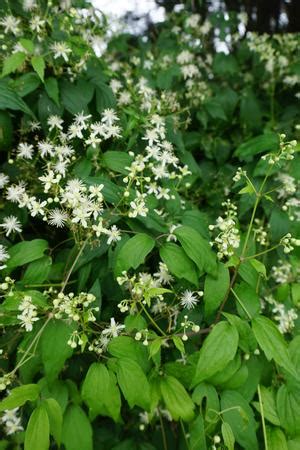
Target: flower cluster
[(11, 421), (228, 238), (28, 313), (284, 316)]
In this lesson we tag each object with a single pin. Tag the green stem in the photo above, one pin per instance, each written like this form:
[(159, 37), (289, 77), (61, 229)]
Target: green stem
[(152, 320), (261, 253), (262, 418), (184, 435), (163, 433)]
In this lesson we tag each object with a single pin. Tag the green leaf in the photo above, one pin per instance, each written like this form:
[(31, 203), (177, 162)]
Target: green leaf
[(127, 347), (77, 430), (155, 347), (218, 349), (133, 252), (9, 99), (104, 97), (178, 262), (55, 418), (38, 64), (52, 89), (177, 400), (25, 252), (197, 434), (248, 303), (178, 343), (276, 439), (228, 435), (269, 406), (197, 248), (288, 410), (205, 395), (13, 62), (76, 97), (215, 289), (37, 431), (27, 44), (54, 347), (96, 388), (264, 143), (240, 417), (117, 161), (259, 267), (133, 383), (272, 343), (20, 395), (37, 271), (26, 83)]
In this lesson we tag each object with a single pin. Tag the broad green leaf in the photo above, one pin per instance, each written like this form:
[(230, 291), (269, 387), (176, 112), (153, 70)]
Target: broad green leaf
[(228, 435), (240, 417), (215, 289), (288, 410), (96, 388), (247, 341), (176, 399), (75, 97), (133, 383), (77, 430), (178, 262), (27, 44), (54, 347), (197, 438), (26, 83), (25, 252), (205, 395), (276, 439), (38, 64), (37, 431), (264, 143), (272, 343), (37, 271), (127, 347), (133, 252), (13, 62), (197, 248), (55, 418), (218, 349), (20, 395), (52, 89), (248, 303), (9, 99), (117, 161), (269, 406)]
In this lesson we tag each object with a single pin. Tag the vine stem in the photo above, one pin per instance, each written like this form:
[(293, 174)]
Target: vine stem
[(163, 433), (152, 320), (262, 417), (50, 316)]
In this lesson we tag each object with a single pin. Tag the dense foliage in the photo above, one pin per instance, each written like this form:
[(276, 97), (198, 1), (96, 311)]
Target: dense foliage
[(150, 225)]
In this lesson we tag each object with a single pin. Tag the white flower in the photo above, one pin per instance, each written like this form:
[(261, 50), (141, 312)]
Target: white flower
[(25, 150), (11, 224), (109, 116), (28, 313), (29, 5), (46, 148), (188, 300), (57, 217), (114, 329), (163, 275), (15, 192), (4, 179), (4, 256), (36, 23), (61, 49), (11, 421), (10, 24), (55, 122), (114, 234), (49, 179)]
